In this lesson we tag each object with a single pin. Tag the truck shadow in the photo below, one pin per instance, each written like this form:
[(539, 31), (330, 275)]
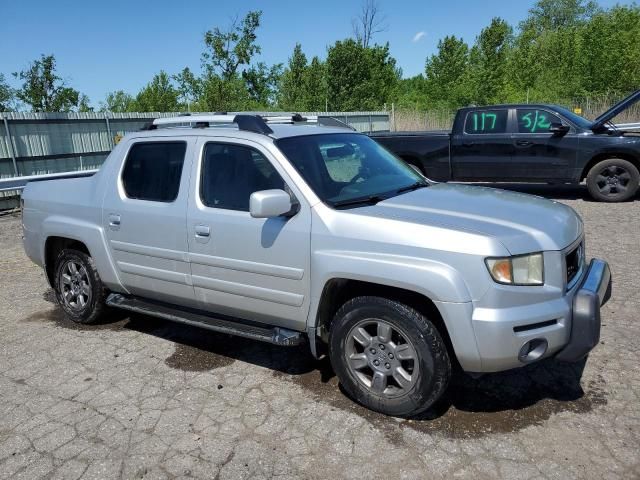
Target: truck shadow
[(472, 407)]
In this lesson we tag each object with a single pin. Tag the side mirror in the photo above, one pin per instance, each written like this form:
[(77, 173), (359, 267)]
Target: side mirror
[(558, 128), (269, 203)]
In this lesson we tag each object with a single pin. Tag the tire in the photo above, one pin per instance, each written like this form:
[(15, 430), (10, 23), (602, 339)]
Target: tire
[(79, 290), (405, 391), (613, 180)]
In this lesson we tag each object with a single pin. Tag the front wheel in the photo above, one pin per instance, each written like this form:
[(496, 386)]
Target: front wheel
[(613, 180), (78, 287), (388, 356)]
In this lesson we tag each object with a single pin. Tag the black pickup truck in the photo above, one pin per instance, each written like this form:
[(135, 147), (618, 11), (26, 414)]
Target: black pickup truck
[(528, 143)]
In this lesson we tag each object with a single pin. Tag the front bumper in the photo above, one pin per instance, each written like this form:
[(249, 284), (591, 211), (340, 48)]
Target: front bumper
[(566, 327), (585, 324)]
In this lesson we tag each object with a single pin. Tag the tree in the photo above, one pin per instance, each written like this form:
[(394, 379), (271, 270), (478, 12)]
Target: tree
[(43, 90), (369, 22), (7, 95), (159, 95), (447, 73), (292, 83), (189, 87), (230, 49), (358, 77), (228, 54), (315, 94), (488, 61), (557, 14), (262, 83), (118, 101), (83, 104)]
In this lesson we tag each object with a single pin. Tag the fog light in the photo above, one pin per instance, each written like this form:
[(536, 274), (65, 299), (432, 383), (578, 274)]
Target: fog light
[(532, 350)]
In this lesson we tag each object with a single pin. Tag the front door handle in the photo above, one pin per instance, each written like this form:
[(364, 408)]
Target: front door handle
[(523, 143), (202, 231), (114, 220)]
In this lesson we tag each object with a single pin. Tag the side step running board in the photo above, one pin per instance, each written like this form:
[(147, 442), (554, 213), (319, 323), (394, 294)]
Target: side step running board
[(274, 335)]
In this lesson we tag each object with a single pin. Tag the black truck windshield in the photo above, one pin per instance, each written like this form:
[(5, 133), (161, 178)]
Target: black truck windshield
[(348, 169)]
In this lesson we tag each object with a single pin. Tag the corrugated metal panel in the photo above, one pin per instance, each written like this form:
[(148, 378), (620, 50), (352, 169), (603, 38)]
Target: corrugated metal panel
[(59, 142)]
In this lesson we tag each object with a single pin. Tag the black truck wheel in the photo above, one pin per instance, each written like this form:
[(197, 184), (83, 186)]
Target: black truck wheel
[(613, 180), (388, 357), (78, 287)]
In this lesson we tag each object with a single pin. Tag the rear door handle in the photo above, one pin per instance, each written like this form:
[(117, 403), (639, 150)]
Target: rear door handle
[(523, 143), (202, 231), (114, 220)]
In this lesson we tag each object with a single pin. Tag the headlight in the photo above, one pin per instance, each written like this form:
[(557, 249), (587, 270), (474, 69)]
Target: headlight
[(520, 270)]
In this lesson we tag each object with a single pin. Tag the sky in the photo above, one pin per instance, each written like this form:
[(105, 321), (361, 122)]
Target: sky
[(102, 46)]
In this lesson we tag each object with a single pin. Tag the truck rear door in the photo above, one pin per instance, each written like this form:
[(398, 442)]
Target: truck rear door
[(144, 217), (481, 146)]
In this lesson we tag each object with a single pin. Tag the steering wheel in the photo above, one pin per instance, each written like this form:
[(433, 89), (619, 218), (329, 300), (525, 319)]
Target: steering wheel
[(361, 171)]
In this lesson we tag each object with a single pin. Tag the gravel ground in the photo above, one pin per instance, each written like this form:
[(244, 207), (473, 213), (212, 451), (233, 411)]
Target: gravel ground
[(143, 398)]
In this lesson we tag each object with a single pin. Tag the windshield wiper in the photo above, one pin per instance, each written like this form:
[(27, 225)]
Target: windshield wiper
[(413, 186), (368, 200)]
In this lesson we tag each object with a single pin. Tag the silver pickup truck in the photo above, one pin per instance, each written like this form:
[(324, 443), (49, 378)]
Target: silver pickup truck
[(291, 231)]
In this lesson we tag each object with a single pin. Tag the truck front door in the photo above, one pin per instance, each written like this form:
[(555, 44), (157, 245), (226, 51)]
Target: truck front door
[(251, 268), (540, 155)]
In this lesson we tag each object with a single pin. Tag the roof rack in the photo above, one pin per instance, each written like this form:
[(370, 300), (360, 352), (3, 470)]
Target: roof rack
[(244, 121)]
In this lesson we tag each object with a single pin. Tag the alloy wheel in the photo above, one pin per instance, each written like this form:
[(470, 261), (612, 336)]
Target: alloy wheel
[(382, 358)]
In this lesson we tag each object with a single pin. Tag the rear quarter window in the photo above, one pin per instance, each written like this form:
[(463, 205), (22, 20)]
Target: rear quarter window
[(152, 171), (486, 122)]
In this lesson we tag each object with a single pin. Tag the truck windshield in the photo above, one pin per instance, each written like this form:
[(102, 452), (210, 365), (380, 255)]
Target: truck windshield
[(349, 169)]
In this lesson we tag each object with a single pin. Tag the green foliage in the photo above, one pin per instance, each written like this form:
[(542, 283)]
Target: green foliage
[(83, 104), (7, 95), (189, 87), (360, 78), (159, 95), (488, 59), (292, 91), (315, 86), (43, 90), (228, 50), (447, 72), (118, 101)]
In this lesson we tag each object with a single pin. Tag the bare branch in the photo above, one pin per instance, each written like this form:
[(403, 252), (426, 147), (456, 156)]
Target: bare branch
[(368, 23)]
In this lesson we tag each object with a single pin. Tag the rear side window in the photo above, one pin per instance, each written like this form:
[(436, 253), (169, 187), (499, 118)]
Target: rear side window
[(152, 171), (231, 173), (535, 121), (486, 122)]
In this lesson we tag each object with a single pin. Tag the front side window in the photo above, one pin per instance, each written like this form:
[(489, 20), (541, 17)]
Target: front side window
[(486, 122), (531, 120), (231, 173), (152, 171), (343, 168)]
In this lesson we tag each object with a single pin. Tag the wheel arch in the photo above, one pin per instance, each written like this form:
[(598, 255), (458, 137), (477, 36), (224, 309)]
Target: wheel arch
[(338, 291), (599, 157), (53, 245)]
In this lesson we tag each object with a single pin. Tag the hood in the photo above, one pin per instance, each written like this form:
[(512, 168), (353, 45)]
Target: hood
[(522, 223), (615, 110)]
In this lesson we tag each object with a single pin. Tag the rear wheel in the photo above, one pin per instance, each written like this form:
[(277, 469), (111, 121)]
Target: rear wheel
[(613, 180), (388, 357), (78, 287)]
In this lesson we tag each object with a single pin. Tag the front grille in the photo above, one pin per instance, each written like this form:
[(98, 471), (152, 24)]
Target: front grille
[(574, 261)]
